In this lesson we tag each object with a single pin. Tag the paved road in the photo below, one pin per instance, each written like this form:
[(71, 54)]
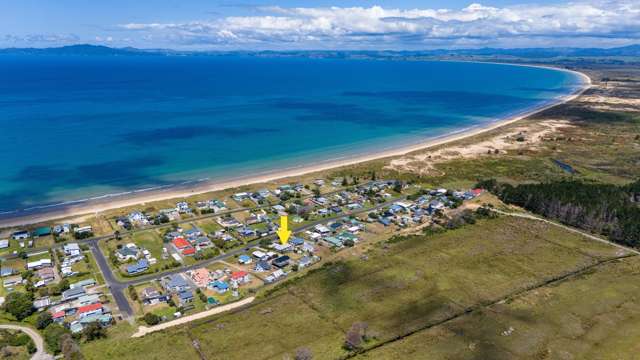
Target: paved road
[(586, 234), (40, 354), (118, 287)]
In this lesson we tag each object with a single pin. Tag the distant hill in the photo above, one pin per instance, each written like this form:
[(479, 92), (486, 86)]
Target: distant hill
[(81, 49), (532, 53)]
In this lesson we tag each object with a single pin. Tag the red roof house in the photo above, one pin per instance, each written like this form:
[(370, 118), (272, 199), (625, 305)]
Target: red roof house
[(240, 277), (180, 243), (189, 251), (90, 310), (58, 315)]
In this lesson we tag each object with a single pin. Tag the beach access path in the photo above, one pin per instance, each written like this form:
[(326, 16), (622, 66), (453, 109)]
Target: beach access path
[(144, 330)]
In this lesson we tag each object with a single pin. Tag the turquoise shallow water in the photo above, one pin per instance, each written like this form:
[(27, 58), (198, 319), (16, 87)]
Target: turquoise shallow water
[(73, 127)]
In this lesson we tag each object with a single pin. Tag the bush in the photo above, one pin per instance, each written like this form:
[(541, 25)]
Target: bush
[(43, 320), (151, 319), (70, 348), (94, 331), (132, 293), (53, 335), (19, 304)]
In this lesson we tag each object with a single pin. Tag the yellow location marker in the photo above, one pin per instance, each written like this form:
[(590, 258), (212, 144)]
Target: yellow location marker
[(283, 232)]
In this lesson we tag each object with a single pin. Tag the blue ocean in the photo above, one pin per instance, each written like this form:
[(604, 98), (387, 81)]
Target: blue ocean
[(75, 127)]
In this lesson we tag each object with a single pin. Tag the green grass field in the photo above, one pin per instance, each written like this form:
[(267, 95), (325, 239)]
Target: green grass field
[(399, 289), (593, 316)]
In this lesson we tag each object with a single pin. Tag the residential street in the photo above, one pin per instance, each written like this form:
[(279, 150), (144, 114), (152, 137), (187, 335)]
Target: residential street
[(118, 287)]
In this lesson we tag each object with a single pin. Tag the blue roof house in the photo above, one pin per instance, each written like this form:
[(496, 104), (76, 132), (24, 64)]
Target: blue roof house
[(185, 297), (141, 266), (220, 286)]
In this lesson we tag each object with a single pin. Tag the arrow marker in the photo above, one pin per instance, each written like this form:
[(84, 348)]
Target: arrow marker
[(283, 232)]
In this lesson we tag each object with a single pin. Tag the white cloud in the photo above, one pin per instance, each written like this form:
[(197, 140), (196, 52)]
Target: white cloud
[(582, 23)]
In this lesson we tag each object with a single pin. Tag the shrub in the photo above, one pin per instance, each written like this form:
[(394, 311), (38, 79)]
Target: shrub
[(19, 304), (152, 319)]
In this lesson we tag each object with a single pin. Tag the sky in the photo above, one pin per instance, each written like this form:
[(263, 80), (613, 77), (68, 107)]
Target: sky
[(320, 24)]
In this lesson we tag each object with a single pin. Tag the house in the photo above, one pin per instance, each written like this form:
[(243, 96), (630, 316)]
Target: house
[(202, 242), (281, 261), (335, 226), (185, 297), (306, 247), (180, 243), (200, 277), (20, 235), (151, 296), (128, 252), (89, 310), (41, 303), (6, 272), (240, 277), (4, 244), (73, 294), (296, 241), (240, 196), (46, 274), (279, 208), (182, 207), (175, 283), (244, 259), (12, 281), (83, 230), (305, 261), (141, 266), (58, 316), (279, 247), (228, 222), (102, 319), (332, 241), (193, 233), (275, 276), (71, 249), (34, 265), (83, 283), (322, 229), (262, 266), (258, 254), (42, 231), (189, 251), (87, 299), (347, 236), (220, 286)]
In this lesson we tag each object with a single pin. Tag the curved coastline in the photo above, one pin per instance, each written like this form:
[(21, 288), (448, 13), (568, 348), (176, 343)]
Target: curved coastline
[(47, 212)]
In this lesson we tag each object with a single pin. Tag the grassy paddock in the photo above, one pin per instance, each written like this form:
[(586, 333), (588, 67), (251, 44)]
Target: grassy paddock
[(593, 316), (398, 289)]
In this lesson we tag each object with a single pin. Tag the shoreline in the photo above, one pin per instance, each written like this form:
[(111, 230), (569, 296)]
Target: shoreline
[(108, 202)]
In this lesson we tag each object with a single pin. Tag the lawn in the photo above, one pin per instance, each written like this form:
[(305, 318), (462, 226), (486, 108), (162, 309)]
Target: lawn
[(398, 289), (209, 226)]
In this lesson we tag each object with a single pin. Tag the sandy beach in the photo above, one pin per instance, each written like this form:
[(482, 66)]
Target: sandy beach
[(100, 204)]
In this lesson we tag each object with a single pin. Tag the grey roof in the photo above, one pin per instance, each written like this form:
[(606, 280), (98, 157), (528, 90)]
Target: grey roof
[(73, 293)]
